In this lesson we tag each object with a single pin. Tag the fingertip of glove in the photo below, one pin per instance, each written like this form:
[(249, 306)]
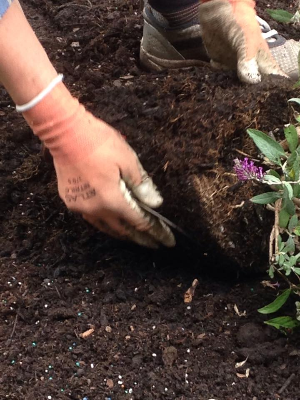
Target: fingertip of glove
[(248, 71), (148, 194), (171, 241)]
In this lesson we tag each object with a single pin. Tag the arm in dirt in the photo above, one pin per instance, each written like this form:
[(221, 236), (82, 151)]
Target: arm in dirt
[(98, 174)]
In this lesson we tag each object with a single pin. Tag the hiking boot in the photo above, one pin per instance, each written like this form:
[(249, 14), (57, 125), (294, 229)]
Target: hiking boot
[(164, 47), (284, 51)]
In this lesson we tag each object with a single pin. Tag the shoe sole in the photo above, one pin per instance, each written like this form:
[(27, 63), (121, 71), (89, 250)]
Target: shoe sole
[(153, 42), (152, 63)]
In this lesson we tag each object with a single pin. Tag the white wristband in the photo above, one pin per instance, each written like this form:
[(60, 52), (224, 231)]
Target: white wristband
[(25, 107)]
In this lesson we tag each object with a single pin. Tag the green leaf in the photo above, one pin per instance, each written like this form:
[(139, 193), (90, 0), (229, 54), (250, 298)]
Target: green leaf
[(276, 304), (296, 190), (284, 217), (287, 268), (293, 261), (287, 203), (297, 231), (291, 136), (283, 322), (266, 198), (269, 147), (289, 246), (272, 179), (271, 272), (295, 100), (274, 173), (296, 169), (293, 223), (287, 190), (289, 206), (281, 260), (292, 158), (280, 15), (296, 270)]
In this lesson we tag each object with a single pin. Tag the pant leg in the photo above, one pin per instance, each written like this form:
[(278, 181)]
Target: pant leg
[(171, 6)]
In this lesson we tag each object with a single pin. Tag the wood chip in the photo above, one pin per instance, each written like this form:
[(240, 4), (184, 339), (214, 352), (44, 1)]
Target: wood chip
[(246, 375), (240, 314), (240, 364), (295, 353), (201, 336), (127, 77), (110, 383), (189, 294), (269, 284), (87, 333)]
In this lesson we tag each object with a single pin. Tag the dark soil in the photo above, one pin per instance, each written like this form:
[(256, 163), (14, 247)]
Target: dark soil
[(59, 277)]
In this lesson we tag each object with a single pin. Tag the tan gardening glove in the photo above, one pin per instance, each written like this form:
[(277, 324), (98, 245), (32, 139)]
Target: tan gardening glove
[(233, 39), (99, 175)]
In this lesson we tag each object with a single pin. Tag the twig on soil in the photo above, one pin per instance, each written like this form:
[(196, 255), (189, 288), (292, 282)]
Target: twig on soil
[(270, 208), (14, 327), (58, 292), (286, 384), (87, 333), (238, 205), (246, 155), (188, 295)]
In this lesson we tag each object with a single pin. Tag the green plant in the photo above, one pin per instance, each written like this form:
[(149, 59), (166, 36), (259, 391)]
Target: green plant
[(284, 16), (283, 178)]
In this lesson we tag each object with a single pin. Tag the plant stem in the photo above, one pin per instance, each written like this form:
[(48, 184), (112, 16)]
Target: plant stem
[(291, 285)]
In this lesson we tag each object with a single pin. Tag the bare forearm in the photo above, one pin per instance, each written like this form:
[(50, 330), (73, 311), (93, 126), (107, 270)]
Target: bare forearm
[(25, 69)]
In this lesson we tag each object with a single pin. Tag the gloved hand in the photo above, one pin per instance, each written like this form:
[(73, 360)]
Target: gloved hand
[(233, 39), (98, 173)]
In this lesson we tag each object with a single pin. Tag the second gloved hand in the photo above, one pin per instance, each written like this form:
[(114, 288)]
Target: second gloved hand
[(233, 39), (99, 175)]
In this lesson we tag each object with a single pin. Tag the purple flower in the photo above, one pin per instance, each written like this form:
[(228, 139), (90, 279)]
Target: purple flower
[(247, 170)]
